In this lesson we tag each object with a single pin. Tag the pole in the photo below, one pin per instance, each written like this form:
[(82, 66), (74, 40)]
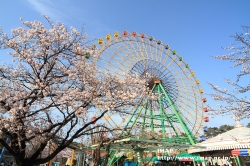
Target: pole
[(203, 162), (139, 156), (4, 149), (79, 158), (194, 162), (72, 157), (84, 158), (53, 149), (238, 161)]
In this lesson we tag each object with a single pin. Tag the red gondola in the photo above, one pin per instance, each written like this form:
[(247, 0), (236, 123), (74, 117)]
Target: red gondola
[(142, 35), (134, 34), (206, 119), (204, 100), (205, 109), (125, 33)]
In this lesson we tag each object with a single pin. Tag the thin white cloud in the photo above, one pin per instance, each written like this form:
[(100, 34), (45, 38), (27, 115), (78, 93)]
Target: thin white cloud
[(47, 8), (69, 13)]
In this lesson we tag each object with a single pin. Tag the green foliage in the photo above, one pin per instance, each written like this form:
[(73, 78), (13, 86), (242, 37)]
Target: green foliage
[(214, 131), (225, 128)]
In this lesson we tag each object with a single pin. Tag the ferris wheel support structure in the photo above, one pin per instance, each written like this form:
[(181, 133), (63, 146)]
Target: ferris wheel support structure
[(184, 126)]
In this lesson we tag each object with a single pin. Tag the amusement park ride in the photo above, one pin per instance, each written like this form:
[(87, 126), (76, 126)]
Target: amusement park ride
[(175, 119), (172, 121)]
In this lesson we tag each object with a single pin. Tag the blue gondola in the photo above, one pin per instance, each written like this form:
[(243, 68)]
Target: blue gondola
[(205, 129)]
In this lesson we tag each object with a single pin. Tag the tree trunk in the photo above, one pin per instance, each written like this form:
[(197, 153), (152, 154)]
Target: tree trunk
[(97, 155), (107, 151), (22, 162)]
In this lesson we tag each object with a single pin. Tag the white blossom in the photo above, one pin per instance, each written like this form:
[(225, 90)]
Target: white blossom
[(51, 88), (236, 102)]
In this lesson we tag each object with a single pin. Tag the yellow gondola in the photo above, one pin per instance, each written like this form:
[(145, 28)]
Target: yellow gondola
[(116, 34), (201, 90), (197, 82), (108, 37), (192, 73), (100, 41)]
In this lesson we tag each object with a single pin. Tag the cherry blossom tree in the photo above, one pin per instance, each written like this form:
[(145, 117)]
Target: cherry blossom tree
[(236, 102), (47, 93)]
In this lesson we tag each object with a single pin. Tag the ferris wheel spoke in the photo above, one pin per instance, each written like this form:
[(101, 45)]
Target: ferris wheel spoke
[(187, 113), (187, 105), (159, 52), (123, 52), (134, 48), (194, 91), (124, 44), (178, 72), (166, 57), (172, 60), (145, 45), (137, 59), (191, 101), (151, 51), (108, 116), (113, 59), (156, 52), (138, 44), (111, 66), (107, 121)]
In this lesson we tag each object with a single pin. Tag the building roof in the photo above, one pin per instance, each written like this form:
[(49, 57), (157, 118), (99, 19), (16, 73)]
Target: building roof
[(237, 138)]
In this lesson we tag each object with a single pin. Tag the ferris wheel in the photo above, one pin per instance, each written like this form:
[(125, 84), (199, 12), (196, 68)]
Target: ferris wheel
[(179, 112)]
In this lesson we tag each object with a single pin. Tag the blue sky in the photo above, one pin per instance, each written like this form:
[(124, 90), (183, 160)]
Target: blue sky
[(196, 29)]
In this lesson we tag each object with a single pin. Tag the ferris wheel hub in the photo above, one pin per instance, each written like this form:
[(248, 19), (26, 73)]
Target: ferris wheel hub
[(154, 81)]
